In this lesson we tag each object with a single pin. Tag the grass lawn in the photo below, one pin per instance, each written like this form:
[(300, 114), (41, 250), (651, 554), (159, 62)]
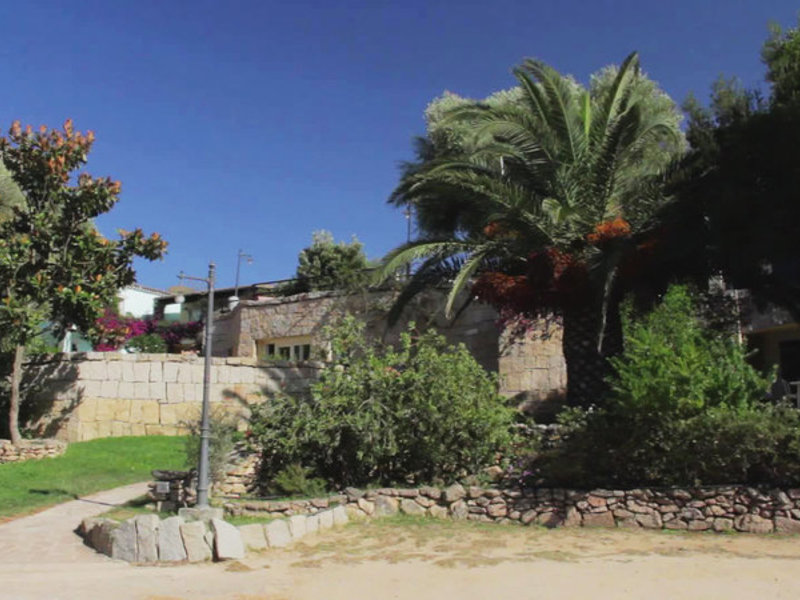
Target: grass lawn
[(85, 468)]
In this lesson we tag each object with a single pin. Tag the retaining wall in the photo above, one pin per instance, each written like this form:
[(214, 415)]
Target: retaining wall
[(82, 396), (718, 508), (30, 450)]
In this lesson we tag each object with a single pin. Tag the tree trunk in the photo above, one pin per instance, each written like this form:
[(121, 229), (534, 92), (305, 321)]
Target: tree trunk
[(588, 367), (13, 409)]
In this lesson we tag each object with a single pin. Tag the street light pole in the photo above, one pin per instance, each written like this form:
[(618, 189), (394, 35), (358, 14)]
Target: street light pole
[(239, 258), (205, 426)]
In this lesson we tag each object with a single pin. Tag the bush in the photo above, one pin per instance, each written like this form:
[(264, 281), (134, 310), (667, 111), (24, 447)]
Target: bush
[(151, 343), (424, 411), (685, 408)]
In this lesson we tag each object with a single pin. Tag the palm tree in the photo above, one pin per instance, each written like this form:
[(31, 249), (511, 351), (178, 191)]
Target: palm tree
[(540, 198)]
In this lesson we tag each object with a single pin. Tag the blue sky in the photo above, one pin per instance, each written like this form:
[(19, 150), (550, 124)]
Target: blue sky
[(247, 124)]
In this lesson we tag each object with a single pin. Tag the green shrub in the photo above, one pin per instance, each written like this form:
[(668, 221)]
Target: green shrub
[(685, 408), (151, 343), (423, 411), (296, 480), (223, 437)]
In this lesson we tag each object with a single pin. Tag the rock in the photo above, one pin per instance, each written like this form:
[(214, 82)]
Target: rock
[(715, 511), (170, 543), (573, 518), (651, 521), (784, 525), (458, 510), (676, 524), (431, 492), (200, 514), (621, 513), (385, 506), (454, 493), (100, 535), (474, 491), (424, 501), (297, 526), (353, 494), (596, 501), (408, 493), (227, 541), (527, 517), (438, 512), (753, 524), (494, 472), (367, 506), (698, 525), (194, 541), (721, 524), (312, 524), (326, 519), (146, 538), (354, 513), (549, 520), (253, 536), (277, 533), (123, 541), (410, 507), (628, 524), (605, 519), (339, 515), (497, 511)]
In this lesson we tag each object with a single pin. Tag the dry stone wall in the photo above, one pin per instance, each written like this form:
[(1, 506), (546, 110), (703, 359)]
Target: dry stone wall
[(30, 450), (718, 508), (102, 394)]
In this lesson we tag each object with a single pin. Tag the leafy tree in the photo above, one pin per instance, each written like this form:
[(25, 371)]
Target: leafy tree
[(547, 195), (54, 265), (737, 188), (327, 265)]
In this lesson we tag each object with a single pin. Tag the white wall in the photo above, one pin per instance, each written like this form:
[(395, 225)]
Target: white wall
[(136, 302)]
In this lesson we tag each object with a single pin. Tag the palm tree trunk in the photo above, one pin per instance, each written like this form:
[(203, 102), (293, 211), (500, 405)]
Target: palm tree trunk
[(588, 367), (13, 409)]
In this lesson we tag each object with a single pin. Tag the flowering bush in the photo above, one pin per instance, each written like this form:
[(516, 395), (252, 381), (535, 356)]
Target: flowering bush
[(112, 331)]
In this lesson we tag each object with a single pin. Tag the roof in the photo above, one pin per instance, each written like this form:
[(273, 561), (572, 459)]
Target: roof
[(145, 288)]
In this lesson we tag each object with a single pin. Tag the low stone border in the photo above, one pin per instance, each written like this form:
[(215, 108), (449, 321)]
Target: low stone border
[(147, 539), (718, 508), (31, 450)]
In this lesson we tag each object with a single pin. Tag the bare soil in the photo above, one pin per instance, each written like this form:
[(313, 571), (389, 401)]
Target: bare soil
[(425, 559)]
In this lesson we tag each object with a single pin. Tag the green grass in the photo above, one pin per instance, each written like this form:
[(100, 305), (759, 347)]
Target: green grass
[(85, 468)]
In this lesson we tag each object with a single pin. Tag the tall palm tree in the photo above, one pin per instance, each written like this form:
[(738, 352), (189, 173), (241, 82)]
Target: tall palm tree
[(539, 199)]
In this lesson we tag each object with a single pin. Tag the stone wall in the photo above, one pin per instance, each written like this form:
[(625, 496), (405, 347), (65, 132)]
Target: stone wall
[(101, 394), (717, 508), (30, 450)]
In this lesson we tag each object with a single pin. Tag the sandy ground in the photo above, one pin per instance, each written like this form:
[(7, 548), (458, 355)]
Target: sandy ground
[(409, 560)]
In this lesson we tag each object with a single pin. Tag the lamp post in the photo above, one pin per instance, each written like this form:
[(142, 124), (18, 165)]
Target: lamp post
[(205, 429), (239, 258)]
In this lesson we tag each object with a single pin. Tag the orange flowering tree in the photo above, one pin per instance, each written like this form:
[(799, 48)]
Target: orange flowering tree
[(54, 265)]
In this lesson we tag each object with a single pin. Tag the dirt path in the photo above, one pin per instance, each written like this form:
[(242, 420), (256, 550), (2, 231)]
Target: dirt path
[(419, 561)]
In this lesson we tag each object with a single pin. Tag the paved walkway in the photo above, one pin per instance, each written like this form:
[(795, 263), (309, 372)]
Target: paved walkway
[(49, 536)]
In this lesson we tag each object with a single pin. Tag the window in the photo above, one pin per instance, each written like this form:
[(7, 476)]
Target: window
[(289, 348)]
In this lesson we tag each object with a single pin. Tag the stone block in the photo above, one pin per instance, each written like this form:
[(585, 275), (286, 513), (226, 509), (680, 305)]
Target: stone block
[(87, 409), (253, 536), (156, 371), (277, 533), (114, 371), (103, 429), (193, 534), (100, 536), (170, 543), (119, 429), (297, 526), (147, 538), (786, 525), (184, 373), (170, 372), (157, 390), (410, 507), (93, 369), (150, 411), (121, 409), (227, 541), (605, 519), (312, 524), (454, 492), (108, 389), (127, 370), (459, 510), (651, 521), (367, 506), (174, 392), (200, 514), (385, 506), (141, 372), (753, 524), (126, 389), (326, 519), (722, 524), (123, 542), (437, 511)]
